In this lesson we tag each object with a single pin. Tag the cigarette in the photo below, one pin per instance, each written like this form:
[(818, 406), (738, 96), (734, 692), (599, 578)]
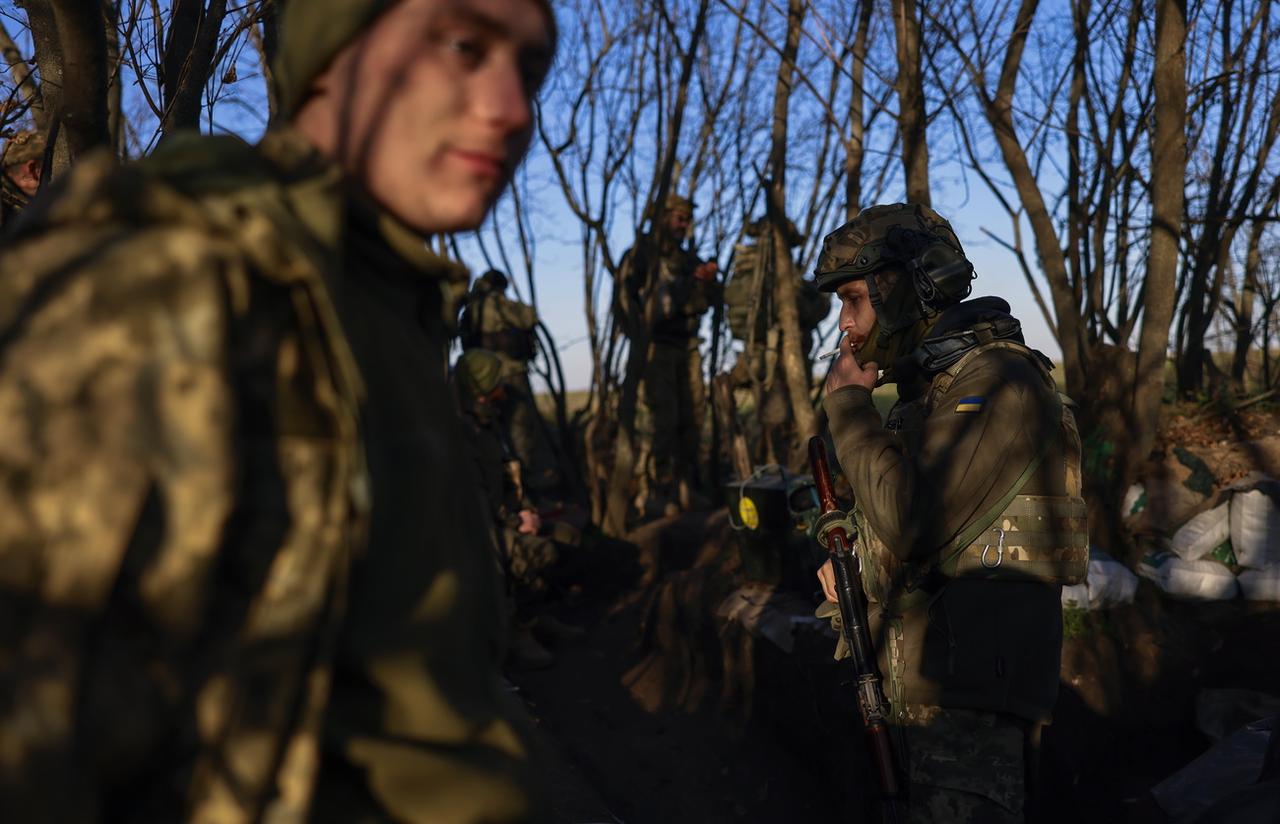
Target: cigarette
[(833, 352)]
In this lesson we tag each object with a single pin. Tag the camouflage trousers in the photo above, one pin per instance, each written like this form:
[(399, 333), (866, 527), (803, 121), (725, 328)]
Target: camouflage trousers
[(675, 397), (526, 562), (524, 430), (966, 766)]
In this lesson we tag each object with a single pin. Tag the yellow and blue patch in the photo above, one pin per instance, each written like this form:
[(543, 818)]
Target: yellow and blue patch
[(973, 403)]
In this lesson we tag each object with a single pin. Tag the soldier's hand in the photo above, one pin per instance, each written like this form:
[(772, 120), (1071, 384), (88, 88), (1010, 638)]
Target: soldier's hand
[(827, 577), (530, 522), (707, 271), (846, 371)]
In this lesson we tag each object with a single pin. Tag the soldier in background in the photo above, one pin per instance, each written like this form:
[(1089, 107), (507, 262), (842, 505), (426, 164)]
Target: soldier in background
[(524, 553), (968, 507), (507, 328), (752, 315), (243, 570), (23, 162), (673, 385)]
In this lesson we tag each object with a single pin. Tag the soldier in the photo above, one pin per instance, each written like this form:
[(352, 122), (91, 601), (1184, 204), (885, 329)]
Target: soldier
[(242, 572), (524, 554), (686, 288), (23, 161), (968, 504), (751, 312), (506, 327)]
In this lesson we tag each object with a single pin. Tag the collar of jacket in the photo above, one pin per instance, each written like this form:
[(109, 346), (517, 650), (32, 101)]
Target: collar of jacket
[(329, 204)]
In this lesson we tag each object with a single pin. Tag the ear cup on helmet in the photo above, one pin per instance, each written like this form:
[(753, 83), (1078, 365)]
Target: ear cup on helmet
[(942, 276)]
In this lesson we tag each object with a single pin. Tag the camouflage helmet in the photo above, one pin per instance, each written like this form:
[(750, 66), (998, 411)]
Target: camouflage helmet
[(478, 372), (493, 280), (24, 146), (909, 235)]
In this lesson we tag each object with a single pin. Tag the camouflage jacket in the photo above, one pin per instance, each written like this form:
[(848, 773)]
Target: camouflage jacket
[(922, 478), (495, 322), (235, 583), (680, 300)]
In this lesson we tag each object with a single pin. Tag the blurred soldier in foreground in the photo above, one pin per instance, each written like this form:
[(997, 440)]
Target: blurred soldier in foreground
[(686, 288), (968, 504), (23, 161), (506, 327), (243, 575), (526, 556), (751, 310)]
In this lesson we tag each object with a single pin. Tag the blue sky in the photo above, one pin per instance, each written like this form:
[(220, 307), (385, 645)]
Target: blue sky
[(557, 249)]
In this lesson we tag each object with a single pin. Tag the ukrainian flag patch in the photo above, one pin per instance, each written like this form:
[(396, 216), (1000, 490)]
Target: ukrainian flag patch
[(973, 403)]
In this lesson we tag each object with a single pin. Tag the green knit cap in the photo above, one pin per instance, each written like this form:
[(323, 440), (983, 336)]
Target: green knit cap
[(478, 372), (312, 32)]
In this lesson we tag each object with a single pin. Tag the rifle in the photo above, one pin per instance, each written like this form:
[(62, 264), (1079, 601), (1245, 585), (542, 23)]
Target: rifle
[(837, 535)]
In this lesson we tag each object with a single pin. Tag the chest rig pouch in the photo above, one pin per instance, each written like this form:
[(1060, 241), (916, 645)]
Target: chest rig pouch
[(1021, 537)]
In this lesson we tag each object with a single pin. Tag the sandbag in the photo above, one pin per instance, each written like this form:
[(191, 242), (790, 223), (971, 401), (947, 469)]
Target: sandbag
[(1109, 583), (1260, 584), (1255, 526), (1135, 500), (1190, 580), (1200, 535)]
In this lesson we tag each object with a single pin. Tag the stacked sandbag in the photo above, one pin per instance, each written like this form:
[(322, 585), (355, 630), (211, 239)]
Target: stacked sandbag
[(1255, 539), (1108, 583), (1203, 534), (1198, 580)]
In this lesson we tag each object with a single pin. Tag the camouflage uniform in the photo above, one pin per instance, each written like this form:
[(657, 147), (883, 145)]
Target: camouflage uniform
[(505, 327), (753, 319), (524, 558), (674, 392), (23, 147), (240, 576), (969, 509)]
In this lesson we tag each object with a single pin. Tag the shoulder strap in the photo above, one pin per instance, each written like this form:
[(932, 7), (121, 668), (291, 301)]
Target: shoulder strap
[(943, 380), (983, 522)]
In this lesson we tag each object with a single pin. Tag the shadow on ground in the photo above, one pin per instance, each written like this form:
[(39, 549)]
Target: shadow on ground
[(672, 714)]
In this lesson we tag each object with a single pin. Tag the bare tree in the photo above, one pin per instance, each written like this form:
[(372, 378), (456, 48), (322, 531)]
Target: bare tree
[(1242, 84), (911, 113), (794, 367)]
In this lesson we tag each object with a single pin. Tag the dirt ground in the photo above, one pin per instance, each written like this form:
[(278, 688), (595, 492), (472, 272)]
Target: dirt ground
[(670, 713)]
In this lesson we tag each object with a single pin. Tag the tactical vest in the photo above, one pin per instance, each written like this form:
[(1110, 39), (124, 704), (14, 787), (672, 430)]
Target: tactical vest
[(1021, 538), (484, 325)]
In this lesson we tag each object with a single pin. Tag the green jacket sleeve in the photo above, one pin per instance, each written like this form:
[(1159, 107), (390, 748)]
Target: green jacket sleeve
[(117, 483), (967, 458)]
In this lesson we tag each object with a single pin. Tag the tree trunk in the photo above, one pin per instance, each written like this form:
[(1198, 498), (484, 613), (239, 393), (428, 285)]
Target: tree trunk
[(857, 129), (911, 114), (999, 112), (82, 105), (115, 91), (1249, 289), (794, 367), (1168, 171), (188, 59)]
